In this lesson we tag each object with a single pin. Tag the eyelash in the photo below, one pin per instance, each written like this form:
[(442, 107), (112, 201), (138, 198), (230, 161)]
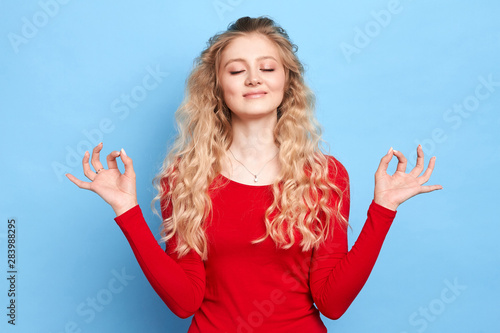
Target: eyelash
[(265, 70)]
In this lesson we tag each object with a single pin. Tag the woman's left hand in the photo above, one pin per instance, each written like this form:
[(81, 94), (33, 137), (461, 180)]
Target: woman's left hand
[(391, 191)]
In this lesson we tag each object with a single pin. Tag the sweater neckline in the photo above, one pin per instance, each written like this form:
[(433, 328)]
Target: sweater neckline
[(245, 185)]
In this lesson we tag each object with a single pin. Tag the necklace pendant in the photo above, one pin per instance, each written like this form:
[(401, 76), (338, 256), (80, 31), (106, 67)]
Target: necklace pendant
[(256, 180)]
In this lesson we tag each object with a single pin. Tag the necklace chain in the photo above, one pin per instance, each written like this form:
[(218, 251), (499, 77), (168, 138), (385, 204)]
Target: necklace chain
[(256, 179)]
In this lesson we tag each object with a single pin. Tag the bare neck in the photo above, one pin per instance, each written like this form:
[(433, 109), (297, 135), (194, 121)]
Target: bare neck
[(255, 153)]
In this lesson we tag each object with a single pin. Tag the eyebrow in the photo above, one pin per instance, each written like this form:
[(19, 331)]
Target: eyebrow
[(241, 59)]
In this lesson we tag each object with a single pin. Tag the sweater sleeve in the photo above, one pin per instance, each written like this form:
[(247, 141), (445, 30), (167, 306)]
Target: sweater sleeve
[(180, 282), (337, 275)]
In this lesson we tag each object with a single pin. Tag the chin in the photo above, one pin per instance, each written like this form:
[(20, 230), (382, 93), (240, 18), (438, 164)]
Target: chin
[(257, 111)]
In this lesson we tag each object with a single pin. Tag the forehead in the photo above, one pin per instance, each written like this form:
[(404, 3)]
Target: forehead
[(249, 47)]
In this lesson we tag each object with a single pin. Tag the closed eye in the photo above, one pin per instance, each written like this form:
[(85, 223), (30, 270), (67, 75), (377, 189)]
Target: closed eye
[(264, 70)]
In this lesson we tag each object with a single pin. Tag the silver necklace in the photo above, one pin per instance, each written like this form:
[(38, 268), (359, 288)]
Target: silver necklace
[(256, 179)]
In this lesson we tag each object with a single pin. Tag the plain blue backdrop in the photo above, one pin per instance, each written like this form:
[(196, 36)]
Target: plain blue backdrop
[(385, 72)]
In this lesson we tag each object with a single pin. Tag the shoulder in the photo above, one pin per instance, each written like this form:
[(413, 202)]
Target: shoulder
[(337, 173), (335, 168)]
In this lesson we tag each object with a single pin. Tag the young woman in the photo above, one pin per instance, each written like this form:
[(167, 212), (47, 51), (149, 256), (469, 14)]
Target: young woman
[(254, 214)]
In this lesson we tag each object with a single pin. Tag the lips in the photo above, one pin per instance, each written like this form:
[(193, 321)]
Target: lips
[(255, 94)]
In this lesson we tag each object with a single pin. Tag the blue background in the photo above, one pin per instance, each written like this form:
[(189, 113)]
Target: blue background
[(386, 73)]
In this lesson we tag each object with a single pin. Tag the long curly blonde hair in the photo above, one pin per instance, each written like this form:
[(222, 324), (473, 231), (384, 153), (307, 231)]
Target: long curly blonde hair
[(302, 190)]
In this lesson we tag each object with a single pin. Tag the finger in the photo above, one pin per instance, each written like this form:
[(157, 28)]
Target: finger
[(127, 162), (419, 167), (111, 160), (430, 188), (401, 161), (427, 174), (96, 163), (86, 167), (384, 162), (78, 182)]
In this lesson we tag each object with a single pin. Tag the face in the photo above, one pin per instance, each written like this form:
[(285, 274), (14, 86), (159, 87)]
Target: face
[(252, 76)]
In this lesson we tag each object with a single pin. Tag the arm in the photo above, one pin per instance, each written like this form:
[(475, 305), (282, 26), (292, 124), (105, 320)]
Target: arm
[(180, 283), (338, 275)]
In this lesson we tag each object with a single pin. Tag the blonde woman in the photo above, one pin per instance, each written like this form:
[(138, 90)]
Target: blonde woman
[(255, 215)]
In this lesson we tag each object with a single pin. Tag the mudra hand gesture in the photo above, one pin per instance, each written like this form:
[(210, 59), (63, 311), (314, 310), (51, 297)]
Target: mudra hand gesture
[(117, 189), (391, 191)]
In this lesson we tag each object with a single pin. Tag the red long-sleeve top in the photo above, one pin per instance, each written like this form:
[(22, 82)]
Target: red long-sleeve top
[(250, 288)]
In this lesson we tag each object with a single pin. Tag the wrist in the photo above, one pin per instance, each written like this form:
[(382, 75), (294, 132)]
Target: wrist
[(123, 208), (386, 204)]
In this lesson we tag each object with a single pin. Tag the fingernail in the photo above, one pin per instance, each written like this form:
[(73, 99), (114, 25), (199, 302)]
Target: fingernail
[(123, 152), (389, 151), (86, 152), (100, 144)]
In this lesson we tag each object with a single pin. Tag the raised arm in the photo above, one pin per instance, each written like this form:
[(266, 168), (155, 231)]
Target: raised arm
[(180, 283), (338, 275)]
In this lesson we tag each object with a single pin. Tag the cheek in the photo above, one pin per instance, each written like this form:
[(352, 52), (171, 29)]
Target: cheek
[(277, 84), (228, 92)]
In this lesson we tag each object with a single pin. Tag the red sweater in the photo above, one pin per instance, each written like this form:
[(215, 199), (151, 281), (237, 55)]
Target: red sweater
[(250, 288)]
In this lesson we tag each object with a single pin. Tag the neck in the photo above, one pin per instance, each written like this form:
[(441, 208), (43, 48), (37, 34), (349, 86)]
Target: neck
[(253, 140), (254, 152)]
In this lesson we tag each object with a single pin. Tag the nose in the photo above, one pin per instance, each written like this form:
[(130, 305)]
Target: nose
[(253, 78)]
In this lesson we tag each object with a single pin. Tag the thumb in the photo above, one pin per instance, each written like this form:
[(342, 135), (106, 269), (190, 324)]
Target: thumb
[(127, 162)]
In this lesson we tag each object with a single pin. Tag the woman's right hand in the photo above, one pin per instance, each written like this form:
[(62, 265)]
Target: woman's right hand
[(117, 189)]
